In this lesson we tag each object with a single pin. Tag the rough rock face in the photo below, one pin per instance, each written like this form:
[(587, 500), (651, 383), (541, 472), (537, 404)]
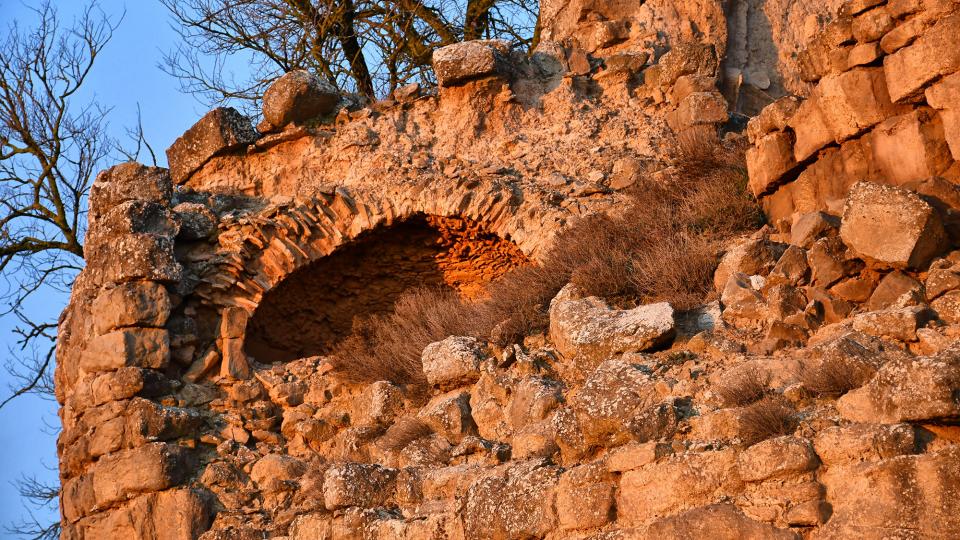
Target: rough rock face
[(816, 396), (296, 97)]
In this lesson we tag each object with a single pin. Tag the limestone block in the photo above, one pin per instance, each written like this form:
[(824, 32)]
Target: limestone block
[(131, 217), (610, 399), (588, 331), (365, 485), (909, 148), (773, 117), (855, 7), (891, 226), (678, 483), (912, 494), (233, 322), (854, 443), (197, 221), (777, 458), (128, 182), (948, 307), (177, 514), (945, 95), (896, 289), (461, 62), (635, 455), (140, 347), (452, 362), (698, 108), (752, 256), (895, 323), (871, 25), (717, 522), (297, 96), (532, 400), (220, 130), (932, 55), (513, 501), (811, 130), (449, 415), (234, 363), (129, 257), (853, 101), (811, 226), (908, 390), (585, 497), (863, 54), (134, 303), (769, 161)]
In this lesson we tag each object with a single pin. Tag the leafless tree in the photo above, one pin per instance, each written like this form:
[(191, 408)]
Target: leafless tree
[(366, 46), (51, 145)]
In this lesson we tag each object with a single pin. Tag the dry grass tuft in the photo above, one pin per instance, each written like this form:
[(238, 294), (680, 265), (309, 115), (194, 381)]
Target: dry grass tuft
[(767, 418), (834, 377), (663, 247), (743, 387), (403, 432)]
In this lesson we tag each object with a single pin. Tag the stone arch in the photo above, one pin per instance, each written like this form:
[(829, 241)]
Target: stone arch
[(258, 251)]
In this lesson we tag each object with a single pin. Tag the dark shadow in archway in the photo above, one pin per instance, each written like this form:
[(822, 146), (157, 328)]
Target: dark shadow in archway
[(311, 310)]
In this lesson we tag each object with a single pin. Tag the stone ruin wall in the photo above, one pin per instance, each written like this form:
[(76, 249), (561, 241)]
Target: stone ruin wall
[(177, 423)]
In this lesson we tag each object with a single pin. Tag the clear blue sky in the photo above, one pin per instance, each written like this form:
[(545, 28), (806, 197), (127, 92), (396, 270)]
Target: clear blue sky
[(126, 74)]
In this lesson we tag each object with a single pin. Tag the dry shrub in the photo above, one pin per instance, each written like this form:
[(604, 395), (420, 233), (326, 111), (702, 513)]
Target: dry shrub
[(767, 418), (743, 387), (662, 247), (833, 377), (388, 347), (403, 432)]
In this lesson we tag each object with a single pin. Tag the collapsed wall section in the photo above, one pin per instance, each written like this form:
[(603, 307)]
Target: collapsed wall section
[(883, 109)]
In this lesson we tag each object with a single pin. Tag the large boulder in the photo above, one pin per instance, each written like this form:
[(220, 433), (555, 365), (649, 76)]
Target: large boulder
[(908, 390), (297, 96), (589, 331), (220, 130), (611, 399), (718, 522), (891, 226), (514, 501), (452, 362)]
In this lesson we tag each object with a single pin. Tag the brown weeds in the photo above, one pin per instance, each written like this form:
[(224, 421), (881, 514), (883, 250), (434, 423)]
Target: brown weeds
[(767, 418), (833, 377), (403, 432), (743, 387)]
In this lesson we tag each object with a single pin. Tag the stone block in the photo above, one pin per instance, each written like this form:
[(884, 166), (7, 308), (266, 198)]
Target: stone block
[(609, 401), (854, 443), (910, 147), (854, 101), (863, 54), (811, 130), (585, 497), (871, 25), (461, 62), (130, 257), (297, 96), (140, 347), (233, 322), (932, 55), (698, 108), (514, 501), (780, 457), (770, 161), (891, 226), (773, 117), (134, 303), (128, 182), (945, 96), (717, 522), (221, 130), (234, 363), (178, 514), (364, 485), (452, 362), (449, 415)]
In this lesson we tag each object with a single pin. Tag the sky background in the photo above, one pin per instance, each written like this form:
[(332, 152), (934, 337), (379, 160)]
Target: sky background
[(125, 75)]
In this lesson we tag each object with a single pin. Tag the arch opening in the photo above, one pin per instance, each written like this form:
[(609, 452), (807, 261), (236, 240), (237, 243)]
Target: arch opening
[(313, 308)]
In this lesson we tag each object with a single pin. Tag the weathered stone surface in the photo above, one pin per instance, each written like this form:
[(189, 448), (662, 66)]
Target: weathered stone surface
[(896, 323), (742, 302), (221, 130), (127, 182), (853, 101), (908, 496), (178, 514), (811, 226), (769, 161), (909, 148), (297, 96), (452, 362), (932, 55), (141, 347), (909, 389), (585, 497), (610, 398), (449, 415), (135, 303), (197, 221), (356, 484), (696, 480), (751, 256), (120, 476), (718, 522), (896, 289), (891, 226), (772, 118), (588, 331), (514, 501), (810, 127), (129, 257), (461, 62), (945, 96), (841, 445), (775, 458)]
